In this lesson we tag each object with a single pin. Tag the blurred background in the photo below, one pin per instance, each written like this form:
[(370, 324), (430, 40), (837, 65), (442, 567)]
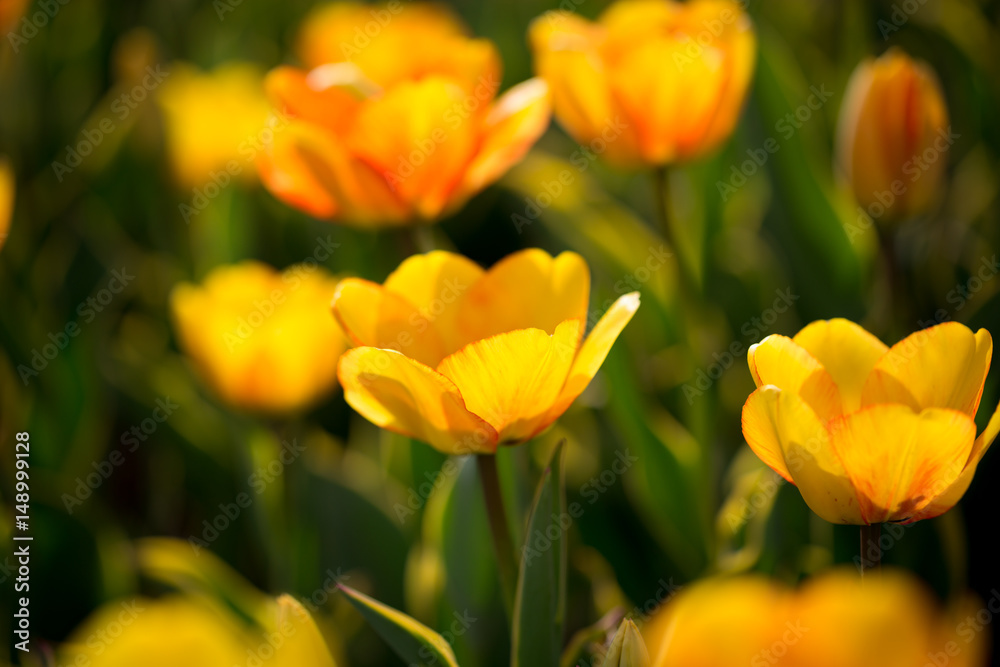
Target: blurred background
[(98, 240)]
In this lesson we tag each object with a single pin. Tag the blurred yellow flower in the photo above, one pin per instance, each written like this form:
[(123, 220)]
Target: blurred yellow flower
[(262, 340), (7, 188), (466, 359), (396, 122), (652, 82), (893, 135), (868, 433), (832, 621), (215, 122), (192, 631)]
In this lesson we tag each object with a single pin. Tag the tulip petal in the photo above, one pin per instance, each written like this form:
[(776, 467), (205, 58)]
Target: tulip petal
[(291, 179), (944, 366), (529, 289), (900, 460), (847, 352), (332, 105), (420, 138), (397, 393), (594, 350), (775, 417), (374, 316), (362, 194), (780, 361), (512, 379), (515, 122), (567, 56), (954, 492), (435, 283)]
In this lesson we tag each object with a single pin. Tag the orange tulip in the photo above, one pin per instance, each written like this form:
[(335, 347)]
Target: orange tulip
[(869, 433), (833, 620), (396, 122), (892, 136), (467, 360), (262, 340), (652, 82)]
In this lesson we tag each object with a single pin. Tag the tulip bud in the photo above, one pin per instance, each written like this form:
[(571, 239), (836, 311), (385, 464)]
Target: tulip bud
[(627, 648), (893, 136)]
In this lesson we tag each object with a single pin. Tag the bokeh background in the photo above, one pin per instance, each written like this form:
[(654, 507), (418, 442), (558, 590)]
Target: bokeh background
[(697, 501)]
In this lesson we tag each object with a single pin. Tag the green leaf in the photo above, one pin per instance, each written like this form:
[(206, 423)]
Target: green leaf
[(412, 641), (540, 602)]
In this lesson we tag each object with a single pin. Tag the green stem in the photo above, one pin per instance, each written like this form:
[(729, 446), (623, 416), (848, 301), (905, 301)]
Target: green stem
[(661, 190), (502, 544), (871, 552)]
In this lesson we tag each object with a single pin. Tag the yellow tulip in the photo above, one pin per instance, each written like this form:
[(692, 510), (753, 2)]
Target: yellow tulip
[(466, 359), (215, 122), (868, 433), (191, 631), (262, 340), (892, 135), (396, 122), (652, 82), (7, 187), (833, 620)]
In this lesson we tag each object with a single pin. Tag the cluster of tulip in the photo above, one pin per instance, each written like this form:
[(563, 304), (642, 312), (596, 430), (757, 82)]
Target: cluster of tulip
[(402, 131)]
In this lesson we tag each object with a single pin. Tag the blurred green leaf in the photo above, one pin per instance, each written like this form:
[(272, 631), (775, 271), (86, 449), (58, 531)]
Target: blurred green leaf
[(539, 606), (414, 642)]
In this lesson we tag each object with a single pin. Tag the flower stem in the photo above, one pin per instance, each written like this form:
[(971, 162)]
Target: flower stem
[(502, 545), (661, 191), (871, 551)]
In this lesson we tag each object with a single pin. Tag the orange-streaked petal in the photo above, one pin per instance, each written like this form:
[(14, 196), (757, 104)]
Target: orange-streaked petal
[(362, 194), (435, 283), (372, 315), (7, 186), (419, 138), (953, 492), (332, 104), (898, 459), (780, 361), (944, 366), (515, 122), (397, 393), (778, 418), (529, 289), (594, 350), (847, 352), (291, 179), (512, 379)]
